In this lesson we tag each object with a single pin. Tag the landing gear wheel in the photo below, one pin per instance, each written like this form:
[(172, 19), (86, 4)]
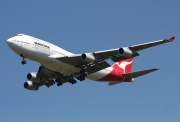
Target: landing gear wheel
[(82, 75), (59, 84), (58, 81), (24, 62), (81, 78), (23, 59), (72, 81)]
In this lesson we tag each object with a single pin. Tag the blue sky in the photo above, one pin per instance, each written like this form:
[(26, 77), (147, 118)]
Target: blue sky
[(85, 26)]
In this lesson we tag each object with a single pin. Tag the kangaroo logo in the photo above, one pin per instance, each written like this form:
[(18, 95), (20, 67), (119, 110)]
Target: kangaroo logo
[(123, 65)]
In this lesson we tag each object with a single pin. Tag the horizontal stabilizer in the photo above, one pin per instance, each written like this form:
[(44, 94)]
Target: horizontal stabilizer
[(139, 73), (113, 83)]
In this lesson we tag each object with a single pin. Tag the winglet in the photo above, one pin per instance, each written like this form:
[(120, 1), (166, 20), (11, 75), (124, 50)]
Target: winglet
[(172, 38)]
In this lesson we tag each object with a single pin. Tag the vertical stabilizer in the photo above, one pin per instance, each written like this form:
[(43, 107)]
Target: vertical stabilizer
[(124, 66)]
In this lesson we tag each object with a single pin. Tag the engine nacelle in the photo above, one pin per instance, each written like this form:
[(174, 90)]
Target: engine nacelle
[(88, 57), (33, 77), (30, 85), (125, 51)]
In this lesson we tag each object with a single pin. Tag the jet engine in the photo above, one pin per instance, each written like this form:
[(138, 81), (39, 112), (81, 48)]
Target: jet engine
[(33, 77), (88, 57), (30, 85), (126, 52)]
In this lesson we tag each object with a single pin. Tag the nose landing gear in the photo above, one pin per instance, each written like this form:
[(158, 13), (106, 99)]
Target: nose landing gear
[(23, 62), (23, 59)]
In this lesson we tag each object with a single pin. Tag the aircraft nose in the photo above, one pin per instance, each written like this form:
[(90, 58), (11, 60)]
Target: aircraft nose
[(13, 45), (9, 42)]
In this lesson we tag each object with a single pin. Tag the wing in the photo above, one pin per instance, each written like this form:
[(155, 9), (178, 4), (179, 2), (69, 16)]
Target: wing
[(151, 44), (90, 68), (95, 61), (115, 52)]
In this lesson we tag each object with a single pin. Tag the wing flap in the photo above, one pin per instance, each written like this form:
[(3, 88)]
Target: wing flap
[(139, 73)]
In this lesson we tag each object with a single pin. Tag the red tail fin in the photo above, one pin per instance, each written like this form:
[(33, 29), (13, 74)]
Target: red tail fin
[(124, 65)]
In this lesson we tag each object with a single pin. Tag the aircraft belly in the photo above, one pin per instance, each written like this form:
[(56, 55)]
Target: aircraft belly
[(100, 74), (61, 67)]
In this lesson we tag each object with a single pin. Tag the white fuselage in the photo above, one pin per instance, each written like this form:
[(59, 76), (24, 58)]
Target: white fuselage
[(43, 52)]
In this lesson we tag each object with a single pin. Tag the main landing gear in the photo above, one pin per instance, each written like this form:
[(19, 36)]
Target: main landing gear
[(72, 81), (61, 78), (58, 81), (82, 76), (23, 59)]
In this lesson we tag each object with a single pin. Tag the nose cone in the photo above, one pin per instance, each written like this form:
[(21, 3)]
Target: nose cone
[(14, 45), (9, 42)]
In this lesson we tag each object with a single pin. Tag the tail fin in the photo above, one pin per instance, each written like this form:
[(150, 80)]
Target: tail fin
[(124, 65)]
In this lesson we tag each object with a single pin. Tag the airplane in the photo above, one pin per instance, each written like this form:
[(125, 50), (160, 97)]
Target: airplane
[(60, 66)]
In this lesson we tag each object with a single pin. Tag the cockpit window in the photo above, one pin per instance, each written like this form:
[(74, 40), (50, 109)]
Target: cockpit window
[(19, 35)]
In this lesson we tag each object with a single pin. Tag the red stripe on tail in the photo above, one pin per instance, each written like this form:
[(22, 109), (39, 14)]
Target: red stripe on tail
[(119, 68)]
